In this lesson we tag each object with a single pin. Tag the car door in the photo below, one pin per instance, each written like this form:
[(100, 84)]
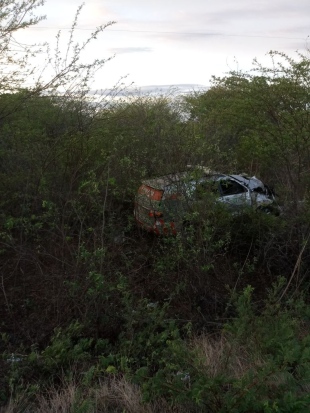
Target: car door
[(233, 194)]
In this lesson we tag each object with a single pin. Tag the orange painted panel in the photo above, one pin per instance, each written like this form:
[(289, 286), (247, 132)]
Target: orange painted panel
[(151, 193)]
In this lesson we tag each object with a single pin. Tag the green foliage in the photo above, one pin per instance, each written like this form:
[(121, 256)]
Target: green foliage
[(15, 16), (150, 339), (258, 121), (142, 136), (87, 296), (63, 351), (272, 348)]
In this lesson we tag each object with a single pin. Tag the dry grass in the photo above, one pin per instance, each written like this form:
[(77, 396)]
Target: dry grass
[(220, 356), (16, 405), (61, 401), (112, 396), (122, 395), (214, 357), (119, 395)]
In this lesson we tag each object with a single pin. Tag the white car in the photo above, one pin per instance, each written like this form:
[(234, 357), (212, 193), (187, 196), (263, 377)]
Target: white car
[(161, 203)]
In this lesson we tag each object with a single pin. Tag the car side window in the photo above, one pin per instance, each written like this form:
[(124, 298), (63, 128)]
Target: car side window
[(230, 187), (206, 187)]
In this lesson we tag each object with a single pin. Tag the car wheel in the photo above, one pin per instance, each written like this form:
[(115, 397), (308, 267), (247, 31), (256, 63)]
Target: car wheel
[(269, 210)]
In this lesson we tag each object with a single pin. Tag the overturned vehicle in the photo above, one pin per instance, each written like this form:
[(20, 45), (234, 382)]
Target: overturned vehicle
[(162, 204)]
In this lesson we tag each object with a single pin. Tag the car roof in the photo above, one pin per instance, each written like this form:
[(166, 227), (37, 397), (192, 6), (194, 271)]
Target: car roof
[(160, 183), (250, 182)]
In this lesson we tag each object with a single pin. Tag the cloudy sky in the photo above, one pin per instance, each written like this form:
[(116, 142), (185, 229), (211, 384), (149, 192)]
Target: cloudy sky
[(179, 42)]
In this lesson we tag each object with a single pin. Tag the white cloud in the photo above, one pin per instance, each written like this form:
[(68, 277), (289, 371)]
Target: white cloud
[(122, 50), (180, 42)]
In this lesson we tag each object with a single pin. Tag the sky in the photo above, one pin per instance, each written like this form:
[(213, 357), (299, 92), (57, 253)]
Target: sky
[(180, 43)]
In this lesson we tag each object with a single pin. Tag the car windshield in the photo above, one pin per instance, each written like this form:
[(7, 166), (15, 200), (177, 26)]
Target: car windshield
[(230, 187), (190, 188)]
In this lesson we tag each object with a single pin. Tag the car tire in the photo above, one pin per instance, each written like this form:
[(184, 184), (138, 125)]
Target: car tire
[(269, 210)]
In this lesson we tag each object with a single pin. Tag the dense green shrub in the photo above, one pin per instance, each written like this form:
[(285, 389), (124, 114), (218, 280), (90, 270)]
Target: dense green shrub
[(197, 320)]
